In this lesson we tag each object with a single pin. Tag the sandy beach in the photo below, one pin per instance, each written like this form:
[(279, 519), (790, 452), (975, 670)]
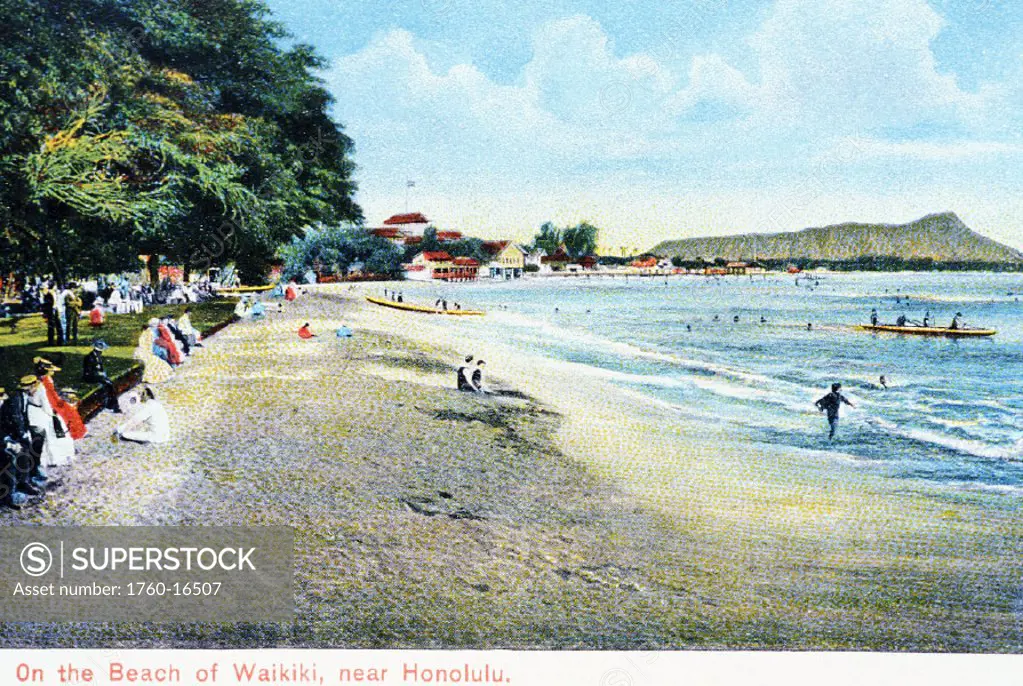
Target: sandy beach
[(562, 512)]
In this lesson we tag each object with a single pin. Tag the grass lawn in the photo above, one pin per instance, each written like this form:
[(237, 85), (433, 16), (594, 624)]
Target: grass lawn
[(120, 331)]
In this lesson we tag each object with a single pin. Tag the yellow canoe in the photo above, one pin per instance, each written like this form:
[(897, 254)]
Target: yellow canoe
[(244, 289), (928, 330), (421, 308)]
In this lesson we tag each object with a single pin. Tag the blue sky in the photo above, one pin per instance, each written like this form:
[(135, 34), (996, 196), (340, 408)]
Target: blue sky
[(658, 120)]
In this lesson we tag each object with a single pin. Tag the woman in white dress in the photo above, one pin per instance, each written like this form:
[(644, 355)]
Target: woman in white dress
[(114, 301), (58, 451), (155, 369)]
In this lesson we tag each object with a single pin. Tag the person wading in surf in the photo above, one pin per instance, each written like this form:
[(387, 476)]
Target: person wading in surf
[(830, 404)]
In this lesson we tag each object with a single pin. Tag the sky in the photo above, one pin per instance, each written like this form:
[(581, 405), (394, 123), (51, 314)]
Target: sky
[(658, 120)]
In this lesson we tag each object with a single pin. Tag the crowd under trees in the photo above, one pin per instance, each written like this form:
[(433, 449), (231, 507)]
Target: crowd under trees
[(173, 128)]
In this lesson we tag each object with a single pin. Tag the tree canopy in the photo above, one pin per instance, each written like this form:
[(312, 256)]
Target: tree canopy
[(578, 241), (334, 249), (160, 127)]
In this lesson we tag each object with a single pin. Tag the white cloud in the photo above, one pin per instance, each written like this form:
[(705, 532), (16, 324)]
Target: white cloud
[(842, 85), (857, 64)]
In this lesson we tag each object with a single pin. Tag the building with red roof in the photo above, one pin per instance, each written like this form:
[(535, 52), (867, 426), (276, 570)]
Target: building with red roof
[(439, 265), (507, 260), (410, 224)]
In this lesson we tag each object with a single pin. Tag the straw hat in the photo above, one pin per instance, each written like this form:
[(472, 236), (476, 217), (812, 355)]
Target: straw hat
[(28, 380)]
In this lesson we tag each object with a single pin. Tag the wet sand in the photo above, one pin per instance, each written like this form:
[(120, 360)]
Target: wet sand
[(562, 513)]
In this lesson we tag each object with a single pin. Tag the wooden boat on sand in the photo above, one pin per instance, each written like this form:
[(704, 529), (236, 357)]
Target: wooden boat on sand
[(409, 307)]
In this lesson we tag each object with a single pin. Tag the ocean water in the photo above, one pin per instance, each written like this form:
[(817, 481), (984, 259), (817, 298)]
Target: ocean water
[(951, 413)]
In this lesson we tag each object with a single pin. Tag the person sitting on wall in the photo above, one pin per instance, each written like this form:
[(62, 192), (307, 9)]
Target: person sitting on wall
[(94, 371)]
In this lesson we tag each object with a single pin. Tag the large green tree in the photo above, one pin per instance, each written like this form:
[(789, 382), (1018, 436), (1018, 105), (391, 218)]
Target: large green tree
[(164, 127), (333, 249)]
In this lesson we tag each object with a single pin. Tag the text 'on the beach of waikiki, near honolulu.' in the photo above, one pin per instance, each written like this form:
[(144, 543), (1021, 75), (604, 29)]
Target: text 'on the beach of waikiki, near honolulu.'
[(247, 672)]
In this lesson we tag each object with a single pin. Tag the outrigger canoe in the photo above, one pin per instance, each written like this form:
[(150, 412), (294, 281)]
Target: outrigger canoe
[(421, 308), (234, 290), (928, 330)]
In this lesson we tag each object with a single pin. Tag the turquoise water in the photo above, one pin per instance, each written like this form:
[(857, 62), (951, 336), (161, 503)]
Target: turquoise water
[(951, 412)]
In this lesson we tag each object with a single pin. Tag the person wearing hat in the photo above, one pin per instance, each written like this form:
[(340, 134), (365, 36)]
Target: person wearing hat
[(477, 377), (67, 412), (17, 428), (72, 312), (10, 452), (96, 314), (155, 368), (147, 424), (93, 371), (58, 446), (464, 377), (830, 404), (186, 328)]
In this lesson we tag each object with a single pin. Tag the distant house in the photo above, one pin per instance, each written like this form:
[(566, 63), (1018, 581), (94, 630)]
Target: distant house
[(644, 263), (440, 266), (736, 267), (743, 268), (589, 262), (507, 260), (556, 262), (534, 257), (449, 236), (464, 269), (410, 224), (395, 235), (429, 265)]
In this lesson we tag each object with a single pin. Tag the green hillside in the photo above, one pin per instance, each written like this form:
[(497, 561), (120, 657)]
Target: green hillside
[(938, 237)]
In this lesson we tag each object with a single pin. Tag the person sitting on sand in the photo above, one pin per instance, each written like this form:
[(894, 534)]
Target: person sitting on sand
[(289, 293), (305, 332), (463, 378), (477, 378), (830, 404), (343, 332), (258, 311), (147, 424)]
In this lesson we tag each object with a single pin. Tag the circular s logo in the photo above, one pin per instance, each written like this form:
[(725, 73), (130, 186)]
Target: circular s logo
[(36, 559)]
